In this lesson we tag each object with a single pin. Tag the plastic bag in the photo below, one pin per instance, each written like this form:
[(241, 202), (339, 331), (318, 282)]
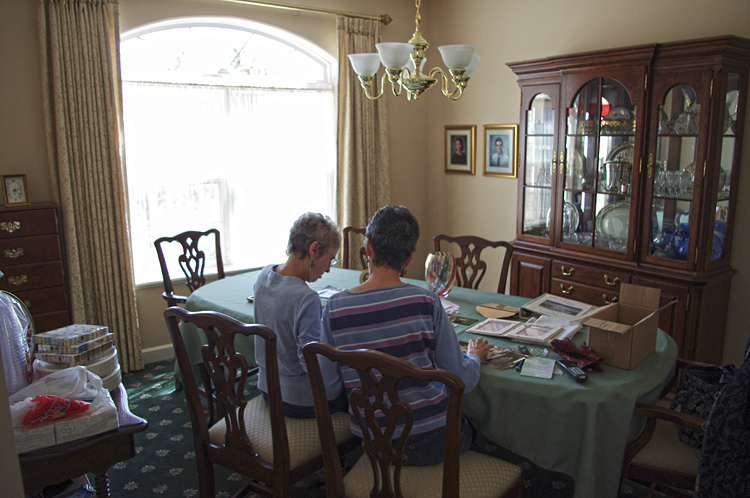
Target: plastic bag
[(47, 407), (14, 344)]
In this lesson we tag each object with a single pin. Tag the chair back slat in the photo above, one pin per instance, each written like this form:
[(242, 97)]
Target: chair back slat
[(191, 260), (347, 234), (470, 267)]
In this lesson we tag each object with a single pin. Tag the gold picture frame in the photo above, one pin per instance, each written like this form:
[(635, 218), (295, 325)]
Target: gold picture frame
[(501, 150), (15, 190), (459, 149)]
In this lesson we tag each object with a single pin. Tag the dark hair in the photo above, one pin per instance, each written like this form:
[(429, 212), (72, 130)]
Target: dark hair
[(393, 233), (309, 228)]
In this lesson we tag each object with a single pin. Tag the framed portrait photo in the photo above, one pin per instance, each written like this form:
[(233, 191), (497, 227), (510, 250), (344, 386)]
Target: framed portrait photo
[(15, 190), (459, 149), (501, 150)]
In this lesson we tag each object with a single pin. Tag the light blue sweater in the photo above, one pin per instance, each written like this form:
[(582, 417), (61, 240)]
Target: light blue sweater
[(292, 310)]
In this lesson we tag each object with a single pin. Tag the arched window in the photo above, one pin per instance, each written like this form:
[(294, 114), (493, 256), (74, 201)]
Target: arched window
[(228, 124)]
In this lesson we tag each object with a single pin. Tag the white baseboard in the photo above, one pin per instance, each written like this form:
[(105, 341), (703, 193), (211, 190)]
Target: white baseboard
[(158, 353)]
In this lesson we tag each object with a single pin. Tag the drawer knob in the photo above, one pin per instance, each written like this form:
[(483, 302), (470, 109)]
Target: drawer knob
[(13, 253), (567, 272), (10, 226), (610, 300), (610, 282), (569, 290), (18, 279)]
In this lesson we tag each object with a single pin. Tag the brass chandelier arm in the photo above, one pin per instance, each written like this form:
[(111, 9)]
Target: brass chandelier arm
[(366, 81), (384, 18), (459, 80)]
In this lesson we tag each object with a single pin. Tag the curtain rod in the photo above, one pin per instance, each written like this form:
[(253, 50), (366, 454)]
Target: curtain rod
[(385, 18)]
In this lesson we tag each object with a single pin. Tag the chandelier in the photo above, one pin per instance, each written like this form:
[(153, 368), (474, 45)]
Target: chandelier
[(404, 63)]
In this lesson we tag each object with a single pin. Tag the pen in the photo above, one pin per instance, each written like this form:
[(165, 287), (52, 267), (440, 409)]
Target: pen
[(520, 364)]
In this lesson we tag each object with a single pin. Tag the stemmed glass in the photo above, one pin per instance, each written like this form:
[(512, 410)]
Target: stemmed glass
[(660, 181), (673, 180), (686, 183)]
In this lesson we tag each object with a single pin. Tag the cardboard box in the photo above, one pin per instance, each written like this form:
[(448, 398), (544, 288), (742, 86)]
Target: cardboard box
[(624, 333)]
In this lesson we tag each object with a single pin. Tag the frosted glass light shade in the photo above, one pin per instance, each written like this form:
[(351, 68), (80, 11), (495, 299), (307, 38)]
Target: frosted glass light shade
[(410, 65), (457, 56), (474, 61), (393, 54), (365, 63)]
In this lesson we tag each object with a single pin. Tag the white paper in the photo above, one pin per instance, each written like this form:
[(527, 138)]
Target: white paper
[(450, 307), (542, 368)]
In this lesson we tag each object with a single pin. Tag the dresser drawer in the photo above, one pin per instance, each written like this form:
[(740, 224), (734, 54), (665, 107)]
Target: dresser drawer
[(29, 277), (589, 275), (584, 293), (27, 222), (26, 250), (51, 321), (44, 300)]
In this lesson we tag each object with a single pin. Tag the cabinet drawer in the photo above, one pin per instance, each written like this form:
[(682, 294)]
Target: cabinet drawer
[(28, 222), (51, 321), (584, 293), (26, 250), (29, 277), (598, 277), (44, 300)]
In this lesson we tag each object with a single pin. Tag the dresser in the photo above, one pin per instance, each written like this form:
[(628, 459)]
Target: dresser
[(31, 259), (628, 172)]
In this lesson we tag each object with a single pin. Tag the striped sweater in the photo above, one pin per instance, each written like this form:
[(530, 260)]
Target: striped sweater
[(407, 322)]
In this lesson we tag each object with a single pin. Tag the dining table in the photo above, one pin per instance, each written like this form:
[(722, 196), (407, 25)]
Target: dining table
[(580, 429)]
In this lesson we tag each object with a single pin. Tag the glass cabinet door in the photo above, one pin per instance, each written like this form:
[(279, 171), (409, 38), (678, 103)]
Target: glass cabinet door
[(538, 159), (598, 162), (676, 168), (727, 167)]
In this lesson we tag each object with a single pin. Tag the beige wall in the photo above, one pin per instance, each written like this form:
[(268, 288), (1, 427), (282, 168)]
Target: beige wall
[(503, 31)]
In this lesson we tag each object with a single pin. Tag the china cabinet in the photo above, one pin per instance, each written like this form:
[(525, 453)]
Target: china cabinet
[(31, 259), (628, 172)]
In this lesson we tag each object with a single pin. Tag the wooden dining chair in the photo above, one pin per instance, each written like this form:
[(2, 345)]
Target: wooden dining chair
[(470, 267), (249, 437), (470, 475), (657, 456), (191, 259), (352, 231)]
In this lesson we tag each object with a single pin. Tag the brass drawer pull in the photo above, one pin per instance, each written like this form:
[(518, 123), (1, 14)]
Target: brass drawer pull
[(18, 280), (13, 253), (565, 272), (569, 290), (610, 282), (608, 300), (10, 226)]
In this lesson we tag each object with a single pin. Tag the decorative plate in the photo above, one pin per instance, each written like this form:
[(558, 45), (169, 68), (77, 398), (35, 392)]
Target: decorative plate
[(619, 113), (623, 153), (613, 219)]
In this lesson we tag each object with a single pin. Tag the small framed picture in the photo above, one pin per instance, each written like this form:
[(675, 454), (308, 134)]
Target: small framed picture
[(459, 149), (15, 190), (501, 150)]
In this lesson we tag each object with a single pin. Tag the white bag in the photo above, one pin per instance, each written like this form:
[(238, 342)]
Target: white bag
[(74, 383)]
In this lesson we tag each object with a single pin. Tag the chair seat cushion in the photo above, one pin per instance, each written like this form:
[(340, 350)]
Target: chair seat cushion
[(480, 476), (304, 442), (666, 451)]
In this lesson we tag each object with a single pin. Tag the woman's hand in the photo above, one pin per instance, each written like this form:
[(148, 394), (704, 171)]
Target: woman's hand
[(479, 347)]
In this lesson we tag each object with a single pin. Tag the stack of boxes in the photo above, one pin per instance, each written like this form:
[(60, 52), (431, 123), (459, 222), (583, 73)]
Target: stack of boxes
[(91, 346)]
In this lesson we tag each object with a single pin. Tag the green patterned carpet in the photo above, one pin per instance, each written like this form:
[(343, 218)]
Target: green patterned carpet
[(165, 467)]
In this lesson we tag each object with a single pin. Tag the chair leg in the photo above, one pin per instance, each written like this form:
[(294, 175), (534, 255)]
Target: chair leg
[(101, 484)]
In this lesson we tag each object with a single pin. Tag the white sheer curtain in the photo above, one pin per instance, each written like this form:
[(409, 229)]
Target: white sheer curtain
[(247, 161)]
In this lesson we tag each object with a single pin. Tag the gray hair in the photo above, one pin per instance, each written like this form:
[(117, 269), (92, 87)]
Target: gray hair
[(309, 228), (393, 232)]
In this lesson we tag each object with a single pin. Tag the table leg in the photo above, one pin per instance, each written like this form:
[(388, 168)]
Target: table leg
[(101, 483)]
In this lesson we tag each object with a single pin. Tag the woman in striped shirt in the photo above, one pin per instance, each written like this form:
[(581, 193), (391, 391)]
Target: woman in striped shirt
[(408, 322)]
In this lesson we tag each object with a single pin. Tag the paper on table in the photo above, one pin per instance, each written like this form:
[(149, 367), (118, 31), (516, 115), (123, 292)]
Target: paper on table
[(494, 310), (450, 307), (542, 368)]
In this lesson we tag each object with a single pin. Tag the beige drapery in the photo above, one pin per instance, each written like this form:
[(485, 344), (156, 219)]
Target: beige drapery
[(363, 179), (83, 118)]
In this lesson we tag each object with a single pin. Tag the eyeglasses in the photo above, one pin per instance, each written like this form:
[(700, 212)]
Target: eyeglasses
[(334, 261)]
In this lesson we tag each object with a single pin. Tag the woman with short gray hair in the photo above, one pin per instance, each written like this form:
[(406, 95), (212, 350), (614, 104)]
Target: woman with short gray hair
[(285, 303)]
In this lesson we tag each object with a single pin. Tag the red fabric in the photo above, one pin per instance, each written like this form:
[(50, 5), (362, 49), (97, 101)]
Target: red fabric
[(583, 356), (53, 407)]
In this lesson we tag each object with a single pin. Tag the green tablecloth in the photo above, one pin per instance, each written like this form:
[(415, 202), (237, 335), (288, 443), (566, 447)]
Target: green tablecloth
[(578, 429)]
